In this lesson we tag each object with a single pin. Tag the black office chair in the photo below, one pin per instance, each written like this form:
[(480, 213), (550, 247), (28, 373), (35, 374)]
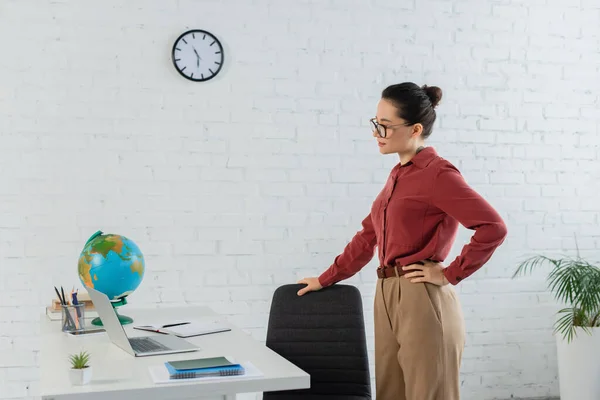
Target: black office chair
[(323, 333)]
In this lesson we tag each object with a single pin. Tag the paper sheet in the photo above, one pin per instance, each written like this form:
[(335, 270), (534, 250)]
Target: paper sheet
[(195, 329)]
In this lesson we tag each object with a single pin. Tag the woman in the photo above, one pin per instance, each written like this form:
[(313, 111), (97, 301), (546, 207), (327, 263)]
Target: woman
[(419, 325)]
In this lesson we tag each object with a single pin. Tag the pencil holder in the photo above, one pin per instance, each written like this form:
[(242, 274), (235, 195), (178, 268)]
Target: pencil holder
[(73, 317)]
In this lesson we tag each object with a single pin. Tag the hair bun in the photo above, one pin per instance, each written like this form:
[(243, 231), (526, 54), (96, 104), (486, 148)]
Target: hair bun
[(434, 93)]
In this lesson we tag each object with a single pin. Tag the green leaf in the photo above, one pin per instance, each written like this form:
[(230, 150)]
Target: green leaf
[(564, 324)]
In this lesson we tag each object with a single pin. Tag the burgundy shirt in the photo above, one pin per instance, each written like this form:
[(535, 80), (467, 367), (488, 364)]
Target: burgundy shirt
[(415, 217)]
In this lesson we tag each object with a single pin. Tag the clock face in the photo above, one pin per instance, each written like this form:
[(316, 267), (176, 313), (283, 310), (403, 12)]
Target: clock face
[(197, 55)]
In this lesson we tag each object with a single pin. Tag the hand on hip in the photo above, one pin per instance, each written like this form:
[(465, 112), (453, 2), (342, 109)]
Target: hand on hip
[(430, 271)]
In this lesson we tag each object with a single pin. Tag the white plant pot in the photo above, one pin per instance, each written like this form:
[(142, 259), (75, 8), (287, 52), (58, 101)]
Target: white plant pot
[(80, 376), (579, 365)]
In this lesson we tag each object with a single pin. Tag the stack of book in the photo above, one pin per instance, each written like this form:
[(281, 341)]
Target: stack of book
[(203, 367)]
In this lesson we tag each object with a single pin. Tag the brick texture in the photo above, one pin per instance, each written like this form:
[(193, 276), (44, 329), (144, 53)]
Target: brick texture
[(260, 176)]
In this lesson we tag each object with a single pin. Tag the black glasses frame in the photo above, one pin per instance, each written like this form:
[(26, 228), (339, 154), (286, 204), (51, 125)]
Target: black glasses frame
[(382, 129)]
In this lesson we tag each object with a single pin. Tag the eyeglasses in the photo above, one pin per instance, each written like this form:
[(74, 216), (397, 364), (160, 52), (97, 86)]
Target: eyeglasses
[(382, 129)]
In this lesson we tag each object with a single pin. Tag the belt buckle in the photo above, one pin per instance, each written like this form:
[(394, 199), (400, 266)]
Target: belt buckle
[(383, 271)]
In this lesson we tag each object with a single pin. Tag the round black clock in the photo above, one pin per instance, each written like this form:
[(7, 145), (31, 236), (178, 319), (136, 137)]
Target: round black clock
[(197, 55)]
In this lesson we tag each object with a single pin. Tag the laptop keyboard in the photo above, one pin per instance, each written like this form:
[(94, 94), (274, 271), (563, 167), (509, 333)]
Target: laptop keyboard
[(146, 345)]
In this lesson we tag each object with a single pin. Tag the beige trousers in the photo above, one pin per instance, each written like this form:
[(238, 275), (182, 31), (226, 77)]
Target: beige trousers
[(419, 340)]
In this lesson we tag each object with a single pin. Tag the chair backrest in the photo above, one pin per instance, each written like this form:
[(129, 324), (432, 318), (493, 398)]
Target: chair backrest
[(323, 333)]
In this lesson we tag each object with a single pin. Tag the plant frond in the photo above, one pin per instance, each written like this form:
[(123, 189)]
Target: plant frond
[(577, 283), (565, 324), (563, 281), (529, 264), (595, 320)]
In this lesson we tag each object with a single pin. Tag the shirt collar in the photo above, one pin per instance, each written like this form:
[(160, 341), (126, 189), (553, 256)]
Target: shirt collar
[(424, 157)]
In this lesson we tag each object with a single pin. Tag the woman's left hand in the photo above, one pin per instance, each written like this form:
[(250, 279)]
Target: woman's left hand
[(432, 272)]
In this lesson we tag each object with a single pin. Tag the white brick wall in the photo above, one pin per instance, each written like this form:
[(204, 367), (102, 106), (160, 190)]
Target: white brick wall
[(259, 177)]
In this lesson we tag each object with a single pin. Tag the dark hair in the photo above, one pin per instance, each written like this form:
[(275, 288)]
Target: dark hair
[(416, 105)]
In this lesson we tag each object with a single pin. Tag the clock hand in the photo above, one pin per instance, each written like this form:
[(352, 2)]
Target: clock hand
[(197, 57)]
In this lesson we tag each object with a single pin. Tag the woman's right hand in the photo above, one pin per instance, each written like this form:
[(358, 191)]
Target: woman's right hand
[(312, 285)]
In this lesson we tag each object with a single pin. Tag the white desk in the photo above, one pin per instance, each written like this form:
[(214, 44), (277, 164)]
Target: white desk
[(119, 376)]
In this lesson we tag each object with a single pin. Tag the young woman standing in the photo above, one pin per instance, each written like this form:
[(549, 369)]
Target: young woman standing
[(419, 325)]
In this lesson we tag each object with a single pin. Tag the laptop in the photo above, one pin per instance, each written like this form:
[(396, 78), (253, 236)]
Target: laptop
[(137, 346)]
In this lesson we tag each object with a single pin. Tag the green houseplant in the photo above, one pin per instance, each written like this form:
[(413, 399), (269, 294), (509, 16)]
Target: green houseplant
[(80, 372), (574, 282)]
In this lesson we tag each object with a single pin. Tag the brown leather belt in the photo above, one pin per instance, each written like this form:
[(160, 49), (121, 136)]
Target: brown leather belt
[(388, 272), (391, 271)]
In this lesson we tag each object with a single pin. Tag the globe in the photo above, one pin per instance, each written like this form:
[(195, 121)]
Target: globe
[(113, 265)]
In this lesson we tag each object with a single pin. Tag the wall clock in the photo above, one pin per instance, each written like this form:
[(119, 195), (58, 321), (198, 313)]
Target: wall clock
[(197, 55)]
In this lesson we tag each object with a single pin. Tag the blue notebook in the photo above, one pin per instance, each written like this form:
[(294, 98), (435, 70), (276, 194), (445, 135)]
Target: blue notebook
[(234, 369)]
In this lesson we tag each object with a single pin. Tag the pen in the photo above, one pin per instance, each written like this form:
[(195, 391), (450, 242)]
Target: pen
[(175, 324), (63, 296), (59, 298), (75, 303)]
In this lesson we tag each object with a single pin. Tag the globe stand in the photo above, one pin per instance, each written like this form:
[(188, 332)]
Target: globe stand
[(123, 319)]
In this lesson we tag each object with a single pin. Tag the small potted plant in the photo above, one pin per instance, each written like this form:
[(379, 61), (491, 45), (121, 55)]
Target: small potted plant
[(80, 372)]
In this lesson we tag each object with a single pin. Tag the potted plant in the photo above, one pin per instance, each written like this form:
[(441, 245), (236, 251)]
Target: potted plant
[(80, 372), (575, 283)]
